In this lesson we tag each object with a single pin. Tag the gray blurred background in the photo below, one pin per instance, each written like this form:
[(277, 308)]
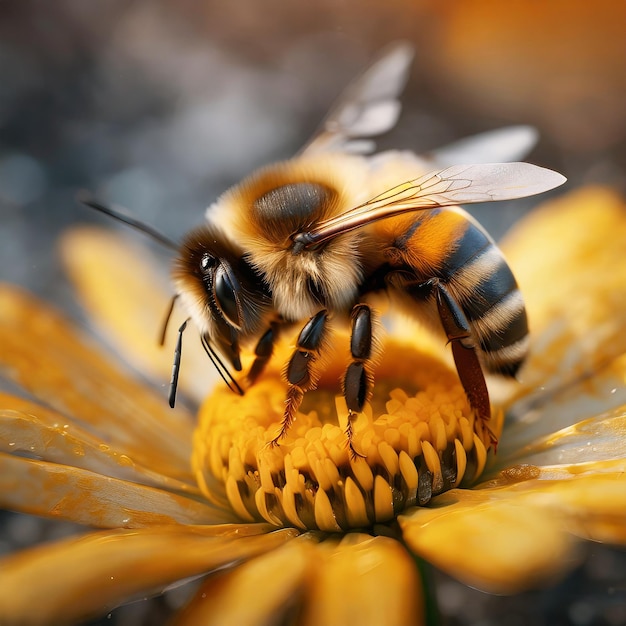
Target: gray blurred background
[(160, 106)]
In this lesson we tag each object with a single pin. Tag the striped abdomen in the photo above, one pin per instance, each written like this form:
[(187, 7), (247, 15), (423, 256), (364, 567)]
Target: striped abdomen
[(448, 245), (478, 276)]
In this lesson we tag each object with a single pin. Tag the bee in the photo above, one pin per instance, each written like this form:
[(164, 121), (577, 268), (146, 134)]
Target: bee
[(309, 242)]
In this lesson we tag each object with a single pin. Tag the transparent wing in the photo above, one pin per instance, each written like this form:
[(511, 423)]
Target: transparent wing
[(502, 145), (460, 184), (367, 108)]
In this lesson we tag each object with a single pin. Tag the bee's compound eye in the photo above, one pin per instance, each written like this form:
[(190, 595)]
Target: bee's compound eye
[(224, 290), (207, 262)]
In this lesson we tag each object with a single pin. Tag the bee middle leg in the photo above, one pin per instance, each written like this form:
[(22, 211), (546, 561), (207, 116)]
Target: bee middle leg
[(358, 380), (301, 373)]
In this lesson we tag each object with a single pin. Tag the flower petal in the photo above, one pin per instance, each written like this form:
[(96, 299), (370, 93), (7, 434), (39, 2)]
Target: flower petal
[(588, 498), (499, 546), (513, 532), (102, 570), (599, 438), (77, 495), (269, 586), (595, 505), (31, 429), (583, 421), (364, 580), (42, 353), (568, 258), (118, 285)]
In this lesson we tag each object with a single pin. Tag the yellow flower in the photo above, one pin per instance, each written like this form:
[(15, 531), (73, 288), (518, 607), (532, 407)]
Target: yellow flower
[(303, 532)]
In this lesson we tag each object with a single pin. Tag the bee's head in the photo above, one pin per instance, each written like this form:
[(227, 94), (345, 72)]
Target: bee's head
[(225, 297)]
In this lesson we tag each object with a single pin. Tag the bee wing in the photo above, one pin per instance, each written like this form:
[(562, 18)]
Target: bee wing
[(367, 108), (501, 145), (460, 184)]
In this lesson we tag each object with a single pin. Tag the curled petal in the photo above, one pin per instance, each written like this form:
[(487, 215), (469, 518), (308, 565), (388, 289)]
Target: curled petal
[(117, 283), (104, 569), (364, 580), (77, 495), (42, 353)]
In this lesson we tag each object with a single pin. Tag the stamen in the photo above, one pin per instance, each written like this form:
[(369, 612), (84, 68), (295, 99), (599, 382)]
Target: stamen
[(416, 445)]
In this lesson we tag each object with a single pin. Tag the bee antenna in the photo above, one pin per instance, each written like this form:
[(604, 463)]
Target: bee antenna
[(166, 319), (222, 370), (122, 215), (178, 353)]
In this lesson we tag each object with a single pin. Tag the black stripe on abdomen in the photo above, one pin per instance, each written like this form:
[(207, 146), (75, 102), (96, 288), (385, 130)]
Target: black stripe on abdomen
[(514, 330), (471, 244), (491, 289), (489, 296), (503, 334)]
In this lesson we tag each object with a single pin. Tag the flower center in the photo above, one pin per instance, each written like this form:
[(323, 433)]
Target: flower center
[(418, 438)]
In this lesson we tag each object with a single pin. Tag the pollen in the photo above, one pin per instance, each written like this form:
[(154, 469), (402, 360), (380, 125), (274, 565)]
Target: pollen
[(416, 439)]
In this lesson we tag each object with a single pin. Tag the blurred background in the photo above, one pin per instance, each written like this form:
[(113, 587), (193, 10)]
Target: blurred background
[(161, 106)]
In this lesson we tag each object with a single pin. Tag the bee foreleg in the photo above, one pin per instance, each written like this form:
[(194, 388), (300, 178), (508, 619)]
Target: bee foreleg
[(300, 372), (457, 329), (357, 381), (263, 352)]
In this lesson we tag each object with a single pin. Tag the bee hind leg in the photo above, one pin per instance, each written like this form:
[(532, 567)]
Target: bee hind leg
[(301, 373), (458, 331), (358, 379)]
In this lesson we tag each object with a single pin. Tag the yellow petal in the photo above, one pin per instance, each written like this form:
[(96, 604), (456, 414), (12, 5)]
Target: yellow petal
[(568, 258), (77, 495), (27, 427), (363, 580), (77, 578), (257, 593), (499, 546), (598, 438), (516, 531), (589, 499), (118, 285), (42, 352), (597, 506)]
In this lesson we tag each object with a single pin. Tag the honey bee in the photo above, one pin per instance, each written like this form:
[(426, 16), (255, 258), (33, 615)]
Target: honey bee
[(308, 242)]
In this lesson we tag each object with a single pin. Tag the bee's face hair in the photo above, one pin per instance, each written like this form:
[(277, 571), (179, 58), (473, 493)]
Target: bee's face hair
[(224, 295)]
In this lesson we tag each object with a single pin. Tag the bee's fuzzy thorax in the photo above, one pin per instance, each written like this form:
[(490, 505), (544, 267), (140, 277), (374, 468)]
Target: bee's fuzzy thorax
[(344, 176), (302, 283)]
